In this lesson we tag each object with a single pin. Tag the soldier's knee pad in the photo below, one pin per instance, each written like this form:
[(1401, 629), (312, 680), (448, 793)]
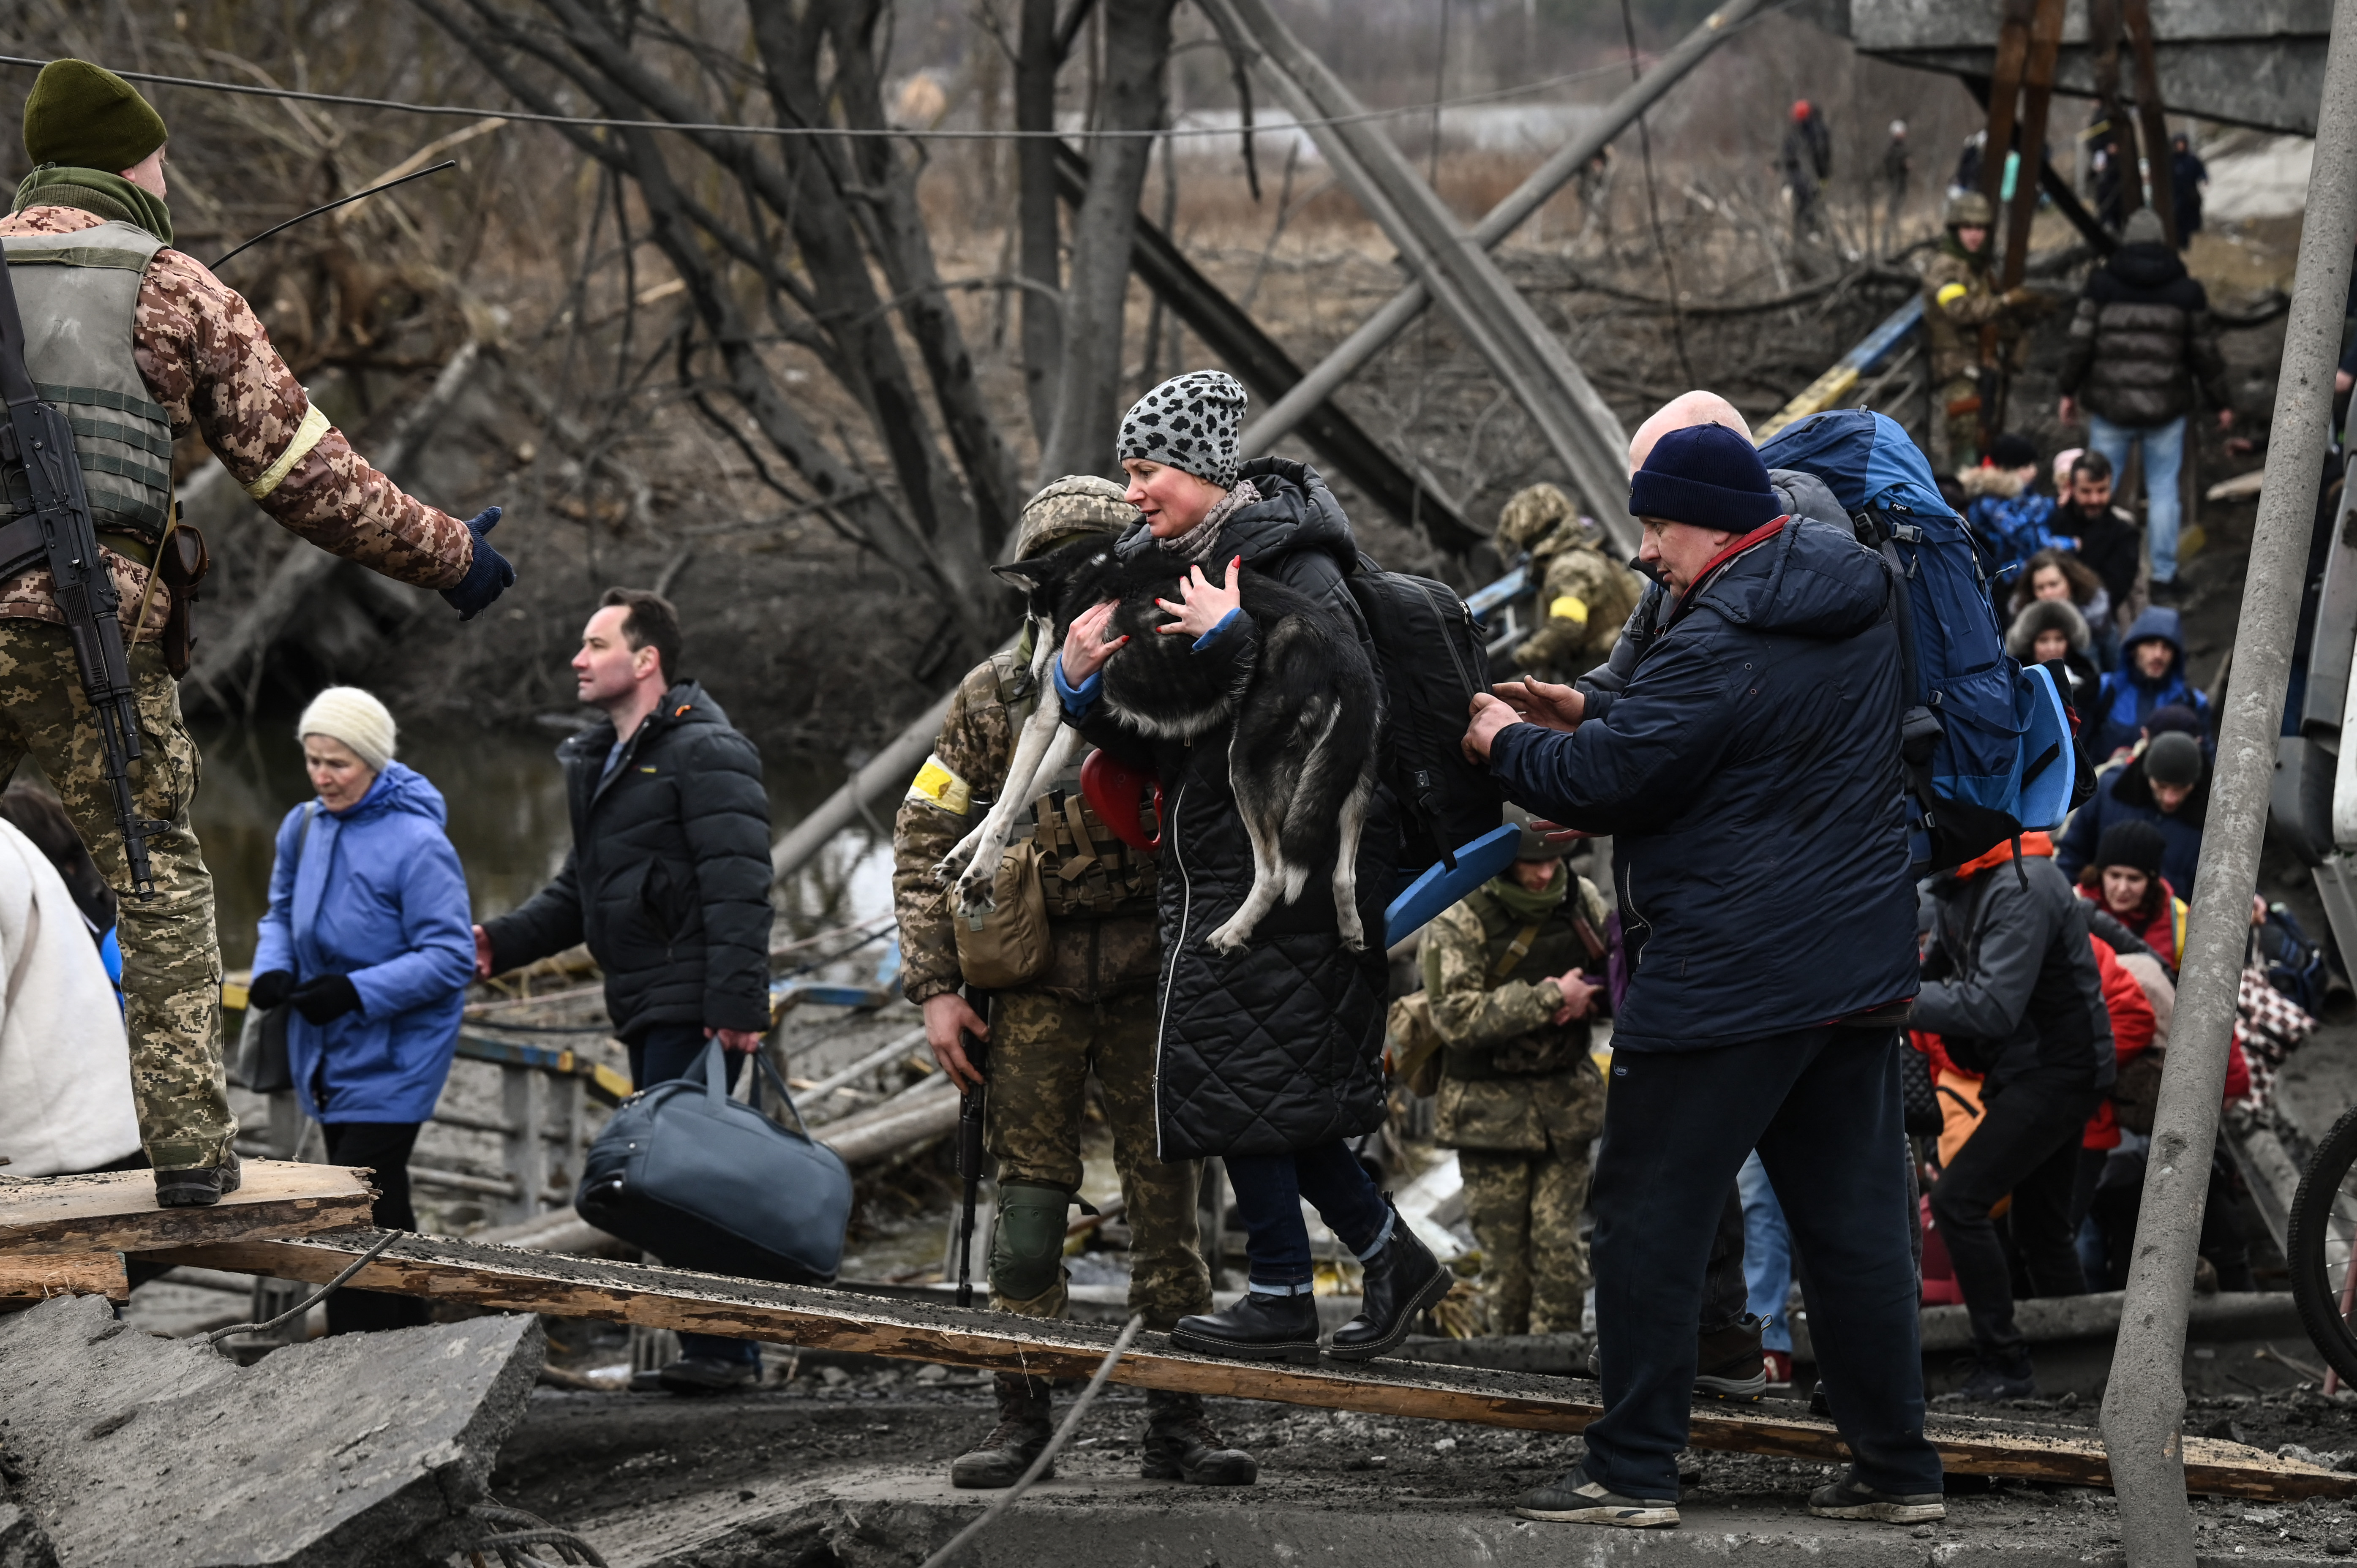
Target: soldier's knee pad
[(1027, 1245)]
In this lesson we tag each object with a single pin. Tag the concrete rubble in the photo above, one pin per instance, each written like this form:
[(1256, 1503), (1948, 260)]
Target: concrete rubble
[(123, 1448)]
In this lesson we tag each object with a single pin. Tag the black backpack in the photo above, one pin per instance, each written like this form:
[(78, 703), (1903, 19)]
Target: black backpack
[(1430, 656)]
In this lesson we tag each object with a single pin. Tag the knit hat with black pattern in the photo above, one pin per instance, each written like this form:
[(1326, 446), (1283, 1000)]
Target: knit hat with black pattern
[(1190, 421)]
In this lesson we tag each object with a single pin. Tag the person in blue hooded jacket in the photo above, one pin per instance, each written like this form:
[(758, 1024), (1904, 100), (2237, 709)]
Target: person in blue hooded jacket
[(2151, 675), (1747, 772), (368, 942)]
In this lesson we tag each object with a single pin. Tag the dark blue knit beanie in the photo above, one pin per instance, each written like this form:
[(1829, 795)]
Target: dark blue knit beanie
[(1706, 474)]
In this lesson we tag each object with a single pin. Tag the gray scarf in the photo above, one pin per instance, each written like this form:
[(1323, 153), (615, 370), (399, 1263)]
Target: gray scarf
[(1197, 541)]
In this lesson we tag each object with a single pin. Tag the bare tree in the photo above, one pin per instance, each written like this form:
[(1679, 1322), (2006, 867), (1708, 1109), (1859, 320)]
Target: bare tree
[(1132, 103)]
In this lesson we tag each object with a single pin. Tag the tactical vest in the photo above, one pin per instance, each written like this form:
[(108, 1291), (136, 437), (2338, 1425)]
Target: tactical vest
[(1507, 955), (79, 293), (1085, 869)]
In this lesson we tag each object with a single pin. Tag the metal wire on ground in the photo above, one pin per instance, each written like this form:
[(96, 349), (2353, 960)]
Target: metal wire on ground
[(1071, 1422), (513, 1547), (322, 1294)]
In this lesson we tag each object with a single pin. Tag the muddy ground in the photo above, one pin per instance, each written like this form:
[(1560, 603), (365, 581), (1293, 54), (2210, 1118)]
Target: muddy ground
[(766, 1477)]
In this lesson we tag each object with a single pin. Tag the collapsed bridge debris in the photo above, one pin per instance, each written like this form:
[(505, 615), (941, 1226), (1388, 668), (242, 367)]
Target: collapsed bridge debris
[(127, 1449), (509, 1279)]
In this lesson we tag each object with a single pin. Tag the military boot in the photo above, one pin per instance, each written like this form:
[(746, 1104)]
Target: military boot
[(1023, 1430), (1181, 1446), (199, 1186)]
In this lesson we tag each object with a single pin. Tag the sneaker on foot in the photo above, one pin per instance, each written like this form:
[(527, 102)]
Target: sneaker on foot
[(1573, 1499), (1991, 1382), (1728, 1362), (1853, 1499)]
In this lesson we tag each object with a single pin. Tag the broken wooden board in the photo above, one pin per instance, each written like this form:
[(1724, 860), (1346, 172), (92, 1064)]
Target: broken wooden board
[(28, 1279), (515, 1280), (116, 1211)]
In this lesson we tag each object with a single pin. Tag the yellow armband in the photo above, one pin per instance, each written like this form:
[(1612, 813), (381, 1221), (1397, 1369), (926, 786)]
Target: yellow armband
[(307, 435), (1949, 294), (1570, 608), (936, 783)]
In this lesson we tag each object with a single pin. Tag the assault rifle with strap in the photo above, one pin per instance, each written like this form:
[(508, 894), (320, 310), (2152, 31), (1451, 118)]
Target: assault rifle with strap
[(52, 527)]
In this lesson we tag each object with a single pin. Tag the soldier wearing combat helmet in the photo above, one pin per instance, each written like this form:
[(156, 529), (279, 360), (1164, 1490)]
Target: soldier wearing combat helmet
[(1584, 596), (1960, 298), (1091, 1010), (1514, 976), (138, 344)]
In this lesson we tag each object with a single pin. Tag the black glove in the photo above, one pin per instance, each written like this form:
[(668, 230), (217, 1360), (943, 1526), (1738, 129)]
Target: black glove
[(487, 577), (328, 997), (268, 989)]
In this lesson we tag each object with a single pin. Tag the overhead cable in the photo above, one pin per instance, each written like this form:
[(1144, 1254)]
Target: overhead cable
[(721, 127)]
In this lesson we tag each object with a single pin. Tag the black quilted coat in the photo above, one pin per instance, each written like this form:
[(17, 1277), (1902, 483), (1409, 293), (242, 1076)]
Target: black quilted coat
[(1277, 1047), (2141, 338), (669, 877)]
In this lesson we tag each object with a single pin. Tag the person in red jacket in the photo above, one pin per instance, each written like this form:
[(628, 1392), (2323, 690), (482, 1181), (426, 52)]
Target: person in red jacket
[(2125, 879)]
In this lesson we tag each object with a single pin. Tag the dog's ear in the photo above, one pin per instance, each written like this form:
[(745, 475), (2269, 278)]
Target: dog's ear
[(1027, 575)]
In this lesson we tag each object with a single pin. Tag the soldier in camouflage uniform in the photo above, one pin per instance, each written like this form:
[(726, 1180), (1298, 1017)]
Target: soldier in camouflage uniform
[(1583, 596), (1093, 1010), (139, 344), (1959, 299), (1520, 1098)]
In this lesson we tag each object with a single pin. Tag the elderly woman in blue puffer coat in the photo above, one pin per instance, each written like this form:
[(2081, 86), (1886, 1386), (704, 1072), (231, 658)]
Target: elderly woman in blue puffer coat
[(369, 943)]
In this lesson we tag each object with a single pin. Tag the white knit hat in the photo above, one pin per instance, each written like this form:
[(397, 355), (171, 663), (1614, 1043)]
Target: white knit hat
[(351, 715)]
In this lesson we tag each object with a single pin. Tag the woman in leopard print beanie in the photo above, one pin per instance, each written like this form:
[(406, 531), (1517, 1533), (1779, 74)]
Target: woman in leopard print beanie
[(1269, 1056)]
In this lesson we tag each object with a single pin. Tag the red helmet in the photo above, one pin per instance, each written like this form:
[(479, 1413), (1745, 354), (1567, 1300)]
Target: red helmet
[(1799, 109)]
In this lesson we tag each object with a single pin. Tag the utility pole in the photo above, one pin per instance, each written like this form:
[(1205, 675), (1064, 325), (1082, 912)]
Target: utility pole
[(2144, 1406)]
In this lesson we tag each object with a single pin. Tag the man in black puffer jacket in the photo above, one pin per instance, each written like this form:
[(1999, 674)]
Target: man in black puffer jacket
[(2142, 336), (668, 881)]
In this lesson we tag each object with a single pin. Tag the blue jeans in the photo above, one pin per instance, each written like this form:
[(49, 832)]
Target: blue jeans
[(665, 1052), (1821, 1107), (1269, 1190), (2164, 456), (1767, 1254)]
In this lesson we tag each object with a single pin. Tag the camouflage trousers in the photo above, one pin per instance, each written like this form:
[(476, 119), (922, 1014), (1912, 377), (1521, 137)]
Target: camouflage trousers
[(1042, 1048), (171, 956), (1524, 1210), (1955, 432)]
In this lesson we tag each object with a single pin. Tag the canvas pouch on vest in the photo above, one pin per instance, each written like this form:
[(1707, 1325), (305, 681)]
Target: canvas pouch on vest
[(79, 294), (1006, 947)]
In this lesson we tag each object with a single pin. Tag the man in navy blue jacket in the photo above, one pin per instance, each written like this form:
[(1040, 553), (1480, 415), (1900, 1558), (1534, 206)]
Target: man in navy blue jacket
[(1748, 774)]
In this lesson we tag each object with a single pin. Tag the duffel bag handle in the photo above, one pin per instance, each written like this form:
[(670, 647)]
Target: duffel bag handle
[(716, 1083)]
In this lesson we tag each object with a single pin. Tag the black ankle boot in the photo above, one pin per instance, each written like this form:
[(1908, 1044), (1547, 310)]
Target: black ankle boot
[(1257, 1328), (1402, 1279), (1023, 1430), (1181, 1444)]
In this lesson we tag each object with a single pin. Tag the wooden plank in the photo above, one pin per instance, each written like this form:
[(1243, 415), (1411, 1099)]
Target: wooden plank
[(514, 1280), (116, 1211), (30, 1278)]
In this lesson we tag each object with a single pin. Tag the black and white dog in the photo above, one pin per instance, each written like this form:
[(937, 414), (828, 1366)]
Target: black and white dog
[(1306, 710)]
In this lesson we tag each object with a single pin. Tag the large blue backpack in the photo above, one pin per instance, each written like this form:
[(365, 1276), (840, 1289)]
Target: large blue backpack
[(1990, 747)]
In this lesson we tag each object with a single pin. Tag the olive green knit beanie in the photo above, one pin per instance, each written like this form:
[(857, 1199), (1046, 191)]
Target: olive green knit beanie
[(85, 116)]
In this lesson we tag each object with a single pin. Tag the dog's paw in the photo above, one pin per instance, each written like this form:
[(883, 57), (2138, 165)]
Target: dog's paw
[(975, 895), (948, 869), (1229, 939), (1354, 935)]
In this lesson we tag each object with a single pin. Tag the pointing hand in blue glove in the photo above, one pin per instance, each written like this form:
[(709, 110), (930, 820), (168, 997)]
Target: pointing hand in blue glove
[(487, 577)]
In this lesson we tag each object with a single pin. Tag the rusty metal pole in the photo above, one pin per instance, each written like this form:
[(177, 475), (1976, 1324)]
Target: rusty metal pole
[(2144, 1406)]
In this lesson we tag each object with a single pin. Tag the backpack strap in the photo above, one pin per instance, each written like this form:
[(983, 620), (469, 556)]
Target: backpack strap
[(1918, 726), (1516, 951)]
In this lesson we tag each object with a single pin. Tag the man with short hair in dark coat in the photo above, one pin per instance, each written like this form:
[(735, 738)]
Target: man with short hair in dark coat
[(668, 880), (1747, 773)]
